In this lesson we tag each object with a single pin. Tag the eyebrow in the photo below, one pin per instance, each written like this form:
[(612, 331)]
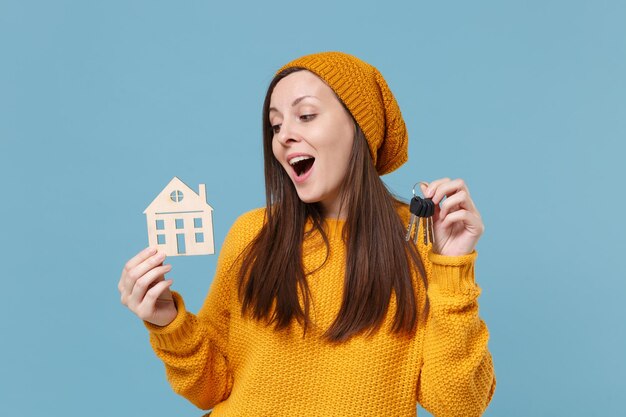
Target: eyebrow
[(296, 101)]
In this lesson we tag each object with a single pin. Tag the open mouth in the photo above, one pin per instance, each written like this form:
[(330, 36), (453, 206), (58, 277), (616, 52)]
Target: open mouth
[(302, 164)]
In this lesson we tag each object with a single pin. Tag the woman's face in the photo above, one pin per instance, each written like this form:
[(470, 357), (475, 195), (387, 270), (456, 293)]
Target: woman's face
[(313, 137)]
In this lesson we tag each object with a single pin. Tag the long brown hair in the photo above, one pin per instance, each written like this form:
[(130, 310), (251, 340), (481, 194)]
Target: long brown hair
[(378, 260)]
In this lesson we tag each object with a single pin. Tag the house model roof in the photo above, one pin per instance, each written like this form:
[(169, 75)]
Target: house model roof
[(187, 199)]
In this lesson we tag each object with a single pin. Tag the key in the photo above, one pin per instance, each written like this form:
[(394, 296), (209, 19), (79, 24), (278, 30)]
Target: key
[(415, 208), (430, 228), (421, 208), (427, 214)]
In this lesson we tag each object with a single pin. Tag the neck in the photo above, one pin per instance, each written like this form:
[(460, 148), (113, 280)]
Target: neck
[(334, 210)]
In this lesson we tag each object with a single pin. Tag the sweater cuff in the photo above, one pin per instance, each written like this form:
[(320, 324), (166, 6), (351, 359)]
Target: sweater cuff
[(453, 274), (170, 335)]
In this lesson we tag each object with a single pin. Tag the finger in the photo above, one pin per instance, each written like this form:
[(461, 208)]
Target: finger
[(156, 293), (458, 200), (149, 303), (140, 270), (125, 285), (447, 189), (142, 285), (433, 186), (469, 220), (140, 257)]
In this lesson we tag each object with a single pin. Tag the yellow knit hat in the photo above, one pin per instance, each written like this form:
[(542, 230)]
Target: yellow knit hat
[(365, 93)]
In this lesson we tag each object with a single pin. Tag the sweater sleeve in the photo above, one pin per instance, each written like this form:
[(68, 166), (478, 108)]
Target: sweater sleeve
[(194, 348), (457, 376)]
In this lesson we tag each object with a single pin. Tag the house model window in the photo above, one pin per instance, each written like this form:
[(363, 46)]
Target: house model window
[(180, 227), (176, 196)]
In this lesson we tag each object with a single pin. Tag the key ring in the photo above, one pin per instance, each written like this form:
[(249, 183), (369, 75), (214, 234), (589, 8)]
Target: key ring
[(419, 182)]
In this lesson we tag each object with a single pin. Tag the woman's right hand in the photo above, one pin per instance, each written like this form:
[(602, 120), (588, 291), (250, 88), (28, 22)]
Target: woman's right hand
[(144, 289)]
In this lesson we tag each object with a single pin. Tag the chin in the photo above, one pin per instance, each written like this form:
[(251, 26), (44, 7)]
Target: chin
[(308, 199)]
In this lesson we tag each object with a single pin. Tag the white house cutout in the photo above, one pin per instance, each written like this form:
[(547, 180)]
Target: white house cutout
[(180, 222)]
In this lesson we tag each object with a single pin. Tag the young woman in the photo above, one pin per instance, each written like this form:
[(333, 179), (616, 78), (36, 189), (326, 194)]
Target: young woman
[(319, 306)]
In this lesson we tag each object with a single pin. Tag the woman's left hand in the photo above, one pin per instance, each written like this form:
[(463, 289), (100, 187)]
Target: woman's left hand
[(457, 224)]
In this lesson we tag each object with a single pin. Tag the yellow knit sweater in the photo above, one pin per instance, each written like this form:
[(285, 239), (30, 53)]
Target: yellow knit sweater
[(240, 367)]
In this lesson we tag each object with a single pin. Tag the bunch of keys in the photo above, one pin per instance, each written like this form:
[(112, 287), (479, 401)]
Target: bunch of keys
[(421, 208)]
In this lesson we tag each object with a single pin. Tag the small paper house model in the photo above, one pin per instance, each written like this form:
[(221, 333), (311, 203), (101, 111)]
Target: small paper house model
[(180, 222)]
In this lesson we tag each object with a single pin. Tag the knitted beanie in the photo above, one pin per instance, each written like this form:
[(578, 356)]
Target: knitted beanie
[(365, 93)]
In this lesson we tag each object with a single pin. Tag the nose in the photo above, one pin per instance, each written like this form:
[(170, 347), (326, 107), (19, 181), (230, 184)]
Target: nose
[(287, 134)]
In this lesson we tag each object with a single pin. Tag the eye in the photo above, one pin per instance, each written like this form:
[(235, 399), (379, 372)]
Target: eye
[(276, 128), (307, 117)]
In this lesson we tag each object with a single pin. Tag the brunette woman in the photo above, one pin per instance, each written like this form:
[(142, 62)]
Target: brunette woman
[(319, 306)]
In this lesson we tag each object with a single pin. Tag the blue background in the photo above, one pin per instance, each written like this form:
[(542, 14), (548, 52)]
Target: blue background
[(102, 103)]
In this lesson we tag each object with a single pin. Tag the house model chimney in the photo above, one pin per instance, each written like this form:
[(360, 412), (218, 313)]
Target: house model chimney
[(202, 192)]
